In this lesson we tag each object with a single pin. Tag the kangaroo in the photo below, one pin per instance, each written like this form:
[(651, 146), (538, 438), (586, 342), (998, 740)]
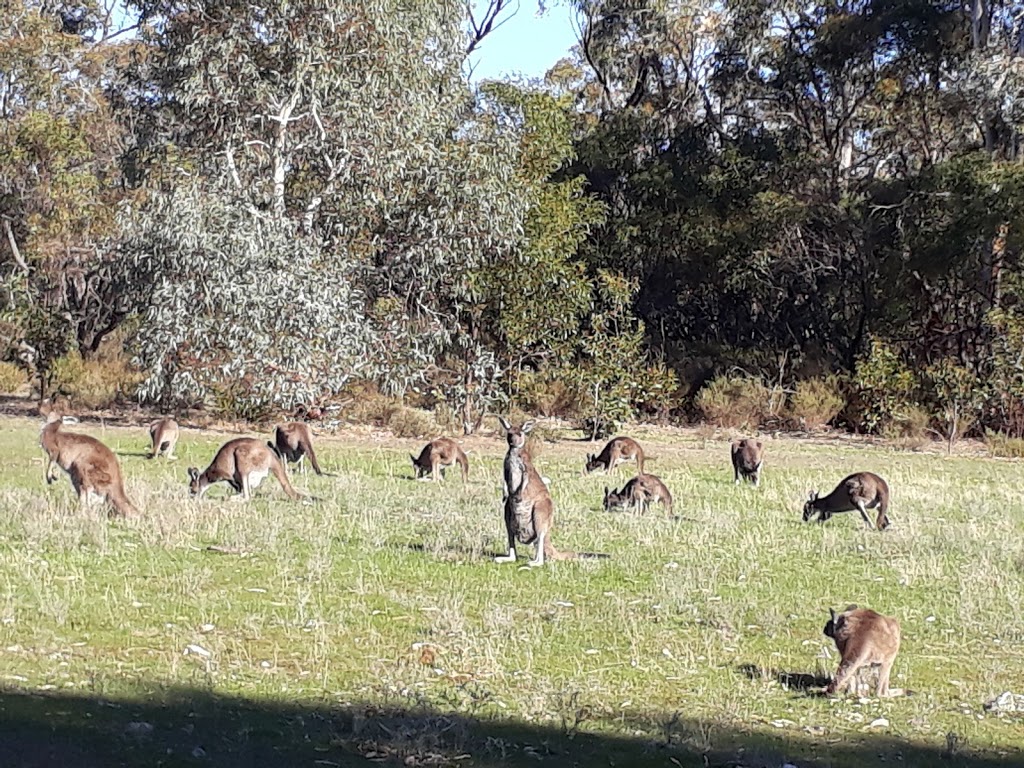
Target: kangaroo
[(860, 491), (618, 451), (242, 463), (747, 459), (863, 638), (529, 511), (639, 493), (90, 464), (294, 442), (164, 434), (437, 455)]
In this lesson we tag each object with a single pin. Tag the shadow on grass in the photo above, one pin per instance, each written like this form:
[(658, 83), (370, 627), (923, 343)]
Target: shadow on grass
[(180, 726), (794, 681)]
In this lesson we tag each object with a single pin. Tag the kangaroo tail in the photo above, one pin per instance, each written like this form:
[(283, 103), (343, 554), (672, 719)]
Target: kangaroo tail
[(550, 553), (121, 503)]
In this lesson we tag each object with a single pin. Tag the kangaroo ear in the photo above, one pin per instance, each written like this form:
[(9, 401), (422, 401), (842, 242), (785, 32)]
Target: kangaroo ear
[(527, 426), (413, 458), (812, 495), (505, 425), (193, 473), (851, 607), (832, 613)]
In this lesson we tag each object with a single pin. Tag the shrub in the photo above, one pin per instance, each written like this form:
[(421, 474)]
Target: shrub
[(1004, 446), (548, 394), (735, 402), (96, 383), (815, 402), (885, 388), (409, 422), (12, 378), (908, 427)]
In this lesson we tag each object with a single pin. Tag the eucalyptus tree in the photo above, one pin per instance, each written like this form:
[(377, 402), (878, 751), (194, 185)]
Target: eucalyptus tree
[(348, 127)]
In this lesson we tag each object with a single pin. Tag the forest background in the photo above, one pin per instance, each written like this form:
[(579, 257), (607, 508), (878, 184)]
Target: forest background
[(759, 213)]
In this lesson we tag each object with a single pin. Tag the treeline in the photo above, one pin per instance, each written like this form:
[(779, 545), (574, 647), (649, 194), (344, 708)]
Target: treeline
[(753, 211)]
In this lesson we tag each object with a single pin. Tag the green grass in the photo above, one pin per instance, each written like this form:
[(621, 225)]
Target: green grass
[(374, 622)]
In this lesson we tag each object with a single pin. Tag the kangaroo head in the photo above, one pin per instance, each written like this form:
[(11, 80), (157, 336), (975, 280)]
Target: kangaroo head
[(420, 471), (809, 505), (592, 462), (194, 487), (516, 437)]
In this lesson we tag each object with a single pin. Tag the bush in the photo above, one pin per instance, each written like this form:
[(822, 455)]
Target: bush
[(1004, 446), (885, 389), (12, 378), (815, 402), (548, 394), (96, 383), (408, 422), (909, 426), (735, 402)]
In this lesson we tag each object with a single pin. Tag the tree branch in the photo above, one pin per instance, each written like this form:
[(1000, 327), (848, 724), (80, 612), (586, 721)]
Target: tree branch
[(14, 246)]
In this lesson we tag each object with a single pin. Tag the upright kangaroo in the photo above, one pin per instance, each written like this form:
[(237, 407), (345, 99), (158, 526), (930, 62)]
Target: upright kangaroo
[(294, 442), (860, 491), (242, 463), (863, 637), (747, 458), (639, 493), (90, 464), (617, 451), (437, 455), (164, 434), (529, 511)]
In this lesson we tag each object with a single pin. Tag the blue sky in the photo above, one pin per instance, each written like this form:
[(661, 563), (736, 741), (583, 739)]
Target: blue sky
[(527, 44)]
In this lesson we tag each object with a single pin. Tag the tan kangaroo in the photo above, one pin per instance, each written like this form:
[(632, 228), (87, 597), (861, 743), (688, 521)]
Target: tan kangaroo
[(618, 451), (242, 463), (639, 493), (863, 637), (91, 465), (747, 458), (437, 455), (529, 511), (164, 434), (295, 442), (860, 491)]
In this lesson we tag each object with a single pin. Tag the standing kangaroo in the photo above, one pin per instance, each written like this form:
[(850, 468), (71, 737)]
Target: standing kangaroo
[(90, 464), (529, 511), (863, 637), (164, 434), (242, 463), (639, 493), (294, 442), (747, 457), (617, 451), (437, 455), (860, 491)]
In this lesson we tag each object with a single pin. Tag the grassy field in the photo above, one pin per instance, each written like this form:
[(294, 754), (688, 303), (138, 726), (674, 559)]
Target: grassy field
[(373, 624)]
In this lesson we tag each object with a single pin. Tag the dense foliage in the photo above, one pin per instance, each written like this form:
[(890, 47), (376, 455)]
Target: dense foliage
[(263, 201)]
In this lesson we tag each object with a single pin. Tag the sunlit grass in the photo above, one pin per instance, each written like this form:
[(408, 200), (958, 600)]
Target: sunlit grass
[(385, 589)]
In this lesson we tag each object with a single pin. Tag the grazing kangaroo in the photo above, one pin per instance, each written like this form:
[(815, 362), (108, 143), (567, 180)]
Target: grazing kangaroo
[(294, 442), (860, 491), (91, 465), (437, 455), (639, 493), (747, 458), (863, 637), (164, 434), (529, 511), (618, 451), (242, 463)]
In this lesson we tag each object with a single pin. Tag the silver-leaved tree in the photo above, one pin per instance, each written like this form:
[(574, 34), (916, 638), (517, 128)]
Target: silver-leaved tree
[(318, 191)]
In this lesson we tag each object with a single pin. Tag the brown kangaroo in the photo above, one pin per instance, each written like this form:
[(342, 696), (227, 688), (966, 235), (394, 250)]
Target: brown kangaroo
[(242, 463), (639, 493), (164, 434), (91, 465), (529, 511), (860, 491), (618, 451), (863, 637), (437, 455), (294, 442), (747, 457)]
